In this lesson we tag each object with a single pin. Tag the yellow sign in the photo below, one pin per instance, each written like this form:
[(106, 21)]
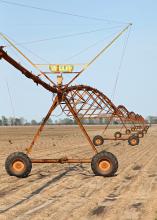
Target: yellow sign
[(61, 68)]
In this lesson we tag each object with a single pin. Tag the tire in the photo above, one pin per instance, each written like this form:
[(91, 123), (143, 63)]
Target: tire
[(98, 140), (133, 140), (104, 164), (140, 134), (127, 131), (117, 135), (18, 164)]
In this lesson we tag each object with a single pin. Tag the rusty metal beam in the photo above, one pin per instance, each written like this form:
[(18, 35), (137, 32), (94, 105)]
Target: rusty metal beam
[(61, 160), (36, 136), (80, 125), (24, 71)]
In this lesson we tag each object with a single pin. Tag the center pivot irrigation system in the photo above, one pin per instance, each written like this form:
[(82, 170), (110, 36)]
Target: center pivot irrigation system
[(133, 127), (78, 101)]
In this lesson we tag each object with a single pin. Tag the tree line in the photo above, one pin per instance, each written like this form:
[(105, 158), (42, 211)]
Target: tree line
[(11, 121), (152, 119), (17, 121)]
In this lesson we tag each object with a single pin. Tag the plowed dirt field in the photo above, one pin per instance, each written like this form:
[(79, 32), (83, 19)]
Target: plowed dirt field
[(72, 192)]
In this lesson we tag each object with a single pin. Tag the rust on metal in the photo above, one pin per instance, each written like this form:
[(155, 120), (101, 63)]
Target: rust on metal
[(80, 102), (61, 160)]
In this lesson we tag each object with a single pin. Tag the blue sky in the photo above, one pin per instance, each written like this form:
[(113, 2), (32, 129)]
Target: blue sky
[(136, 87)]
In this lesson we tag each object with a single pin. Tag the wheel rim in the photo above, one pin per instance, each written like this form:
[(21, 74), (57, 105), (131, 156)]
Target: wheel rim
[(117, 135), (104, 165), (18, 166), (98, 141), (133, 141)]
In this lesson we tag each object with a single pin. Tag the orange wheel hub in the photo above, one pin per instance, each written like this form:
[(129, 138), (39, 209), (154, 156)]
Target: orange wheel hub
[(104, 165), (133, 141), (98, 141), (18, 166)]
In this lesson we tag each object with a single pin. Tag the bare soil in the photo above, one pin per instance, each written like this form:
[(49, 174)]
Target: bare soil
[(71, 191)]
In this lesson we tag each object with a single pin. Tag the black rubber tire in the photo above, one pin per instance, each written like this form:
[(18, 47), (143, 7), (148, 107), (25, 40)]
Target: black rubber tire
[(117, 135), (98, 140), (140, 134), (127, 131), (106, 157), (133, 140), (24, 159)]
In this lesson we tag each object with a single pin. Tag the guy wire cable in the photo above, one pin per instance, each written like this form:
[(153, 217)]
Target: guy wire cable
[(120, 65), (60, 12)]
